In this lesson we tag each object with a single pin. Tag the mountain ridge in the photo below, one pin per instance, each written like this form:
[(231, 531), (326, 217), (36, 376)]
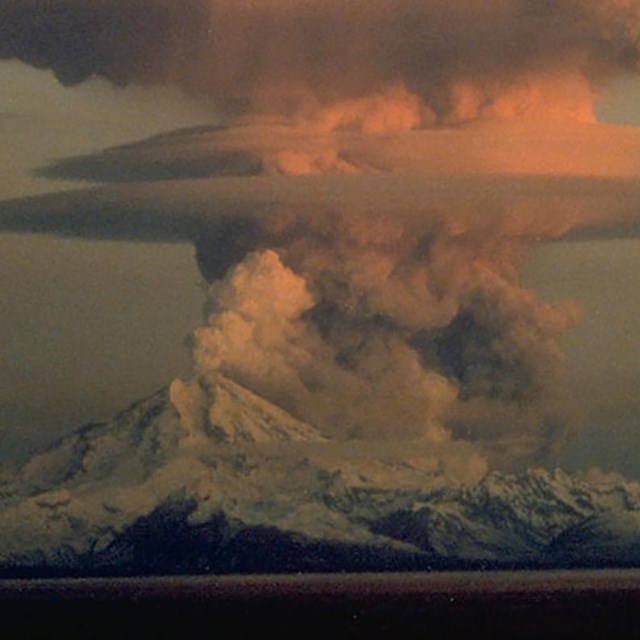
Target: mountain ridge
[(206, 476)]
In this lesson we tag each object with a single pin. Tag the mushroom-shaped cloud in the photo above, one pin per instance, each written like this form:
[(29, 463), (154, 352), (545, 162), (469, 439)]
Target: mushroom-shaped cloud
[(361, 239)]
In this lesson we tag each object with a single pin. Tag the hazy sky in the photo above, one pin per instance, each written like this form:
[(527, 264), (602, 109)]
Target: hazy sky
[(91, 327), (70, 351)]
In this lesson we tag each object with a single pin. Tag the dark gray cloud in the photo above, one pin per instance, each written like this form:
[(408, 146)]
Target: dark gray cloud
[(461, 58), (122, 40)]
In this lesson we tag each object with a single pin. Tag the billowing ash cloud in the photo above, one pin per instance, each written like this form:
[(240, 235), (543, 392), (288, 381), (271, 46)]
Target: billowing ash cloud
[(382, 301), (377, 297), (385, 304), (374, 327), (420, 61)]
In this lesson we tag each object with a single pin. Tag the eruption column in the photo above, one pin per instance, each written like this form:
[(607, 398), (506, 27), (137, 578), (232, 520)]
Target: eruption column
[(366, 324), (374, 327)]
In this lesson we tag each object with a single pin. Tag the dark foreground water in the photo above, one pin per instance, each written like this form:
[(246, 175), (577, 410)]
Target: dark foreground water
[(536, 604)]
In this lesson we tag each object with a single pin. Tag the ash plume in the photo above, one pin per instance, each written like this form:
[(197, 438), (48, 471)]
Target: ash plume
[(425, 61), (368, 323), (374, 327)]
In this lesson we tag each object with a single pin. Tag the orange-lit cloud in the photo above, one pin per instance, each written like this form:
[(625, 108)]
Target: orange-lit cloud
[(379, 296), (362, 274), (454, 60)]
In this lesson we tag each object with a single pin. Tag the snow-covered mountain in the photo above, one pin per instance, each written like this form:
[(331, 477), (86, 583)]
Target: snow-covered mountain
[(212, 478)]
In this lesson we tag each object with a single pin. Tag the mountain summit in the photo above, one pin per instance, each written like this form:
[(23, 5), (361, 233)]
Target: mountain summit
[(209, 477)]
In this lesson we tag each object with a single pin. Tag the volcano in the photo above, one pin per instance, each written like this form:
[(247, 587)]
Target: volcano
[(249, 488)]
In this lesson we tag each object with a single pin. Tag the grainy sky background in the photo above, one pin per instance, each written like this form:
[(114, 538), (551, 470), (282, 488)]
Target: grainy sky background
[(91, 326), (88, 327)]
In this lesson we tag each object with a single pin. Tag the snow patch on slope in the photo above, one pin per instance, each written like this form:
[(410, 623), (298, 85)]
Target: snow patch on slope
[(217, 460)]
